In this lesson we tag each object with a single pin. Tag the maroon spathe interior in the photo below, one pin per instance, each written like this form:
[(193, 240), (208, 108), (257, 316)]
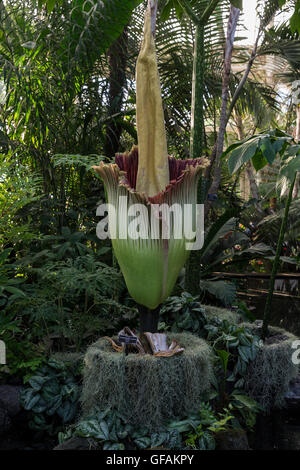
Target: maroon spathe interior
[(128, 162)]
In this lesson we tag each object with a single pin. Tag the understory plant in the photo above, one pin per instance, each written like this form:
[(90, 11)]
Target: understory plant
[(51, 395), (23, 354), (262, 150), (183, 313), (108, 430), (70, 300), (226, 245), (199, 430), (235, 347)]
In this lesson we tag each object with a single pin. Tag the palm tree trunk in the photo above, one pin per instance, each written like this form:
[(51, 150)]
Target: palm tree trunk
[(196, 143), (197, 128), (117, 56), (192, 274), (267, 312), (297, 137)]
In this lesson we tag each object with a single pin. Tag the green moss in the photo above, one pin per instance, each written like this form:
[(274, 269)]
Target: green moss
[(147, 390), (269, 375), (222, 314)]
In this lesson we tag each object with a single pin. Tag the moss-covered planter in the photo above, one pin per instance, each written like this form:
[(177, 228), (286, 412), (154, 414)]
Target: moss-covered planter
[(147, 390), (269, 375), (222, 314)]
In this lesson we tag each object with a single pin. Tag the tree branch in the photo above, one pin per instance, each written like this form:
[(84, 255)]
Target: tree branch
[(244, 78), (231, 29)]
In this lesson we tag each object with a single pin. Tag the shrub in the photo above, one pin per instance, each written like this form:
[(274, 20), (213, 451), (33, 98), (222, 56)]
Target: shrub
[(51, 396)]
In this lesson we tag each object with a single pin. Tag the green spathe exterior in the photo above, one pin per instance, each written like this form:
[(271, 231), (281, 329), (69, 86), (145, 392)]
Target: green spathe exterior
[(150, 266), (149, 176)]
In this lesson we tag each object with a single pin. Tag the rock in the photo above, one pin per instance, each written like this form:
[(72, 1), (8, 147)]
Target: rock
[(76, 443), (234, 439), (10, 399), (5, 421), (292, 398), (290, 438)]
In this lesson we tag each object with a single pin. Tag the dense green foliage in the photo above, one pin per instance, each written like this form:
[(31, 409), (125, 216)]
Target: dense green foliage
[(67, 102), (109, 431), (52, 396)]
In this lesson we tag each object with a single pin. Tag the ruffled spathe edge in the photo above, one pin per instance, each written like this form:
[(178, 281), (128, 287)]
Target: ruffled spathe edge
[(122, 174)]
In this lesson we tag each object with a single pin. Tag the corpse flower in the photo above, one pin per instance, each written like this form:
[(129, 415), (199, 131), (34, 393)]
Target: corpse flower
[(147, 176)]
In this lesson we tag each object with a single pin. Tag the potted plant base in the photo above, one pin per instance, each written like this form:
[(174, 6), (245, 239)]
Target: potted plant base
[(269, 376), (147, 390)]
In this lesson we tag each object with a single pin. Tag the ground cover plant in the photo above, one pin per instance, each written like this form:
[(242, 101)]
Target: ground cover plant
[(224, 121)]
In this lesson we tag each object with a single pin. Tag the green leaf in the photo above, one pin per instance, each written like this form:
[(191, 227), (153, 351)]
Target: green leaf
[(222, 290), (293, 150), (179, 10), (113, 446), (54, 405), (180, 426), (259, 161), (290, 167), (38, 422), (40, 406), (67, 411), (50, 5), (55, 364), (157, 439), (143, 442), (4, 255), (234, 146), (244, 353), (165, 13), (246, 401), (37, 382), (29, 398), (14, 290), (267, 149), (242, 154), (224, 356), (95, 25), (295, 19), (93, 428)]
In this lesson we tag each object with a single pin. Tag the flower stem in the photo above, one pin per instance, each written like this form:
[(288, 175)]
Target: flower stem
[(148, 319)]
